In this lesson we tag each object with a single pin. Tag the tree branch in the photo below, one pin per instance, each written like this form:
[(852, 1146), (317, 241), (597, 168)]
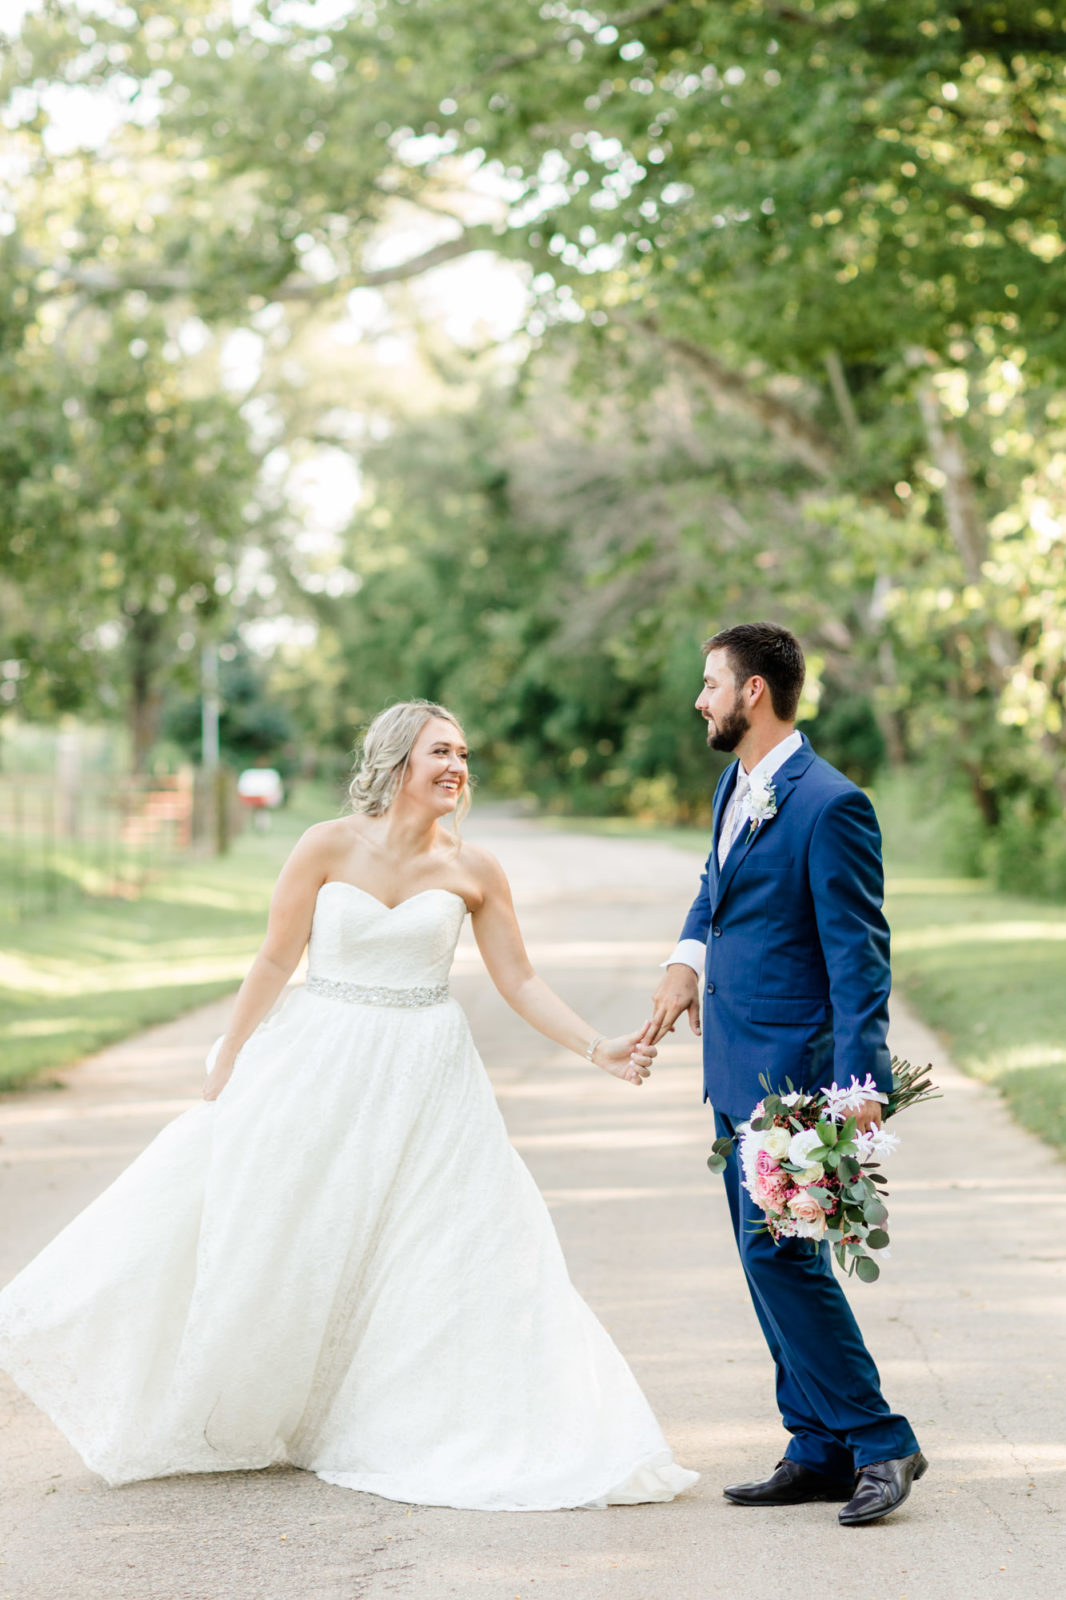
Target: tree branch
[(961, 511), (797, 434), (75, 277), (838, 383), (959, 496)]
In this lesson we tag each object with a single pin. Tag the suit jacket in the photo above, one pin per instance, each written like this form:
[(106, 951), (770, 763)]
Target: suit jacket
[(797, 976)]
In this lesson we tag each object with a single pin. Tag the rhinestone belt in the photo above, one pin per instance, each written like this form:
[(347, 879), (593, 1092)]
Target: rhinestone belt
[(362, 994)]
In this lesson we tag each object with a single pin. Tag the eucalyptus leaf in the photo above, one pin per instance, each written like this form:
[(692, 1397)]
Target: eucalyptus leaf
[(867, 1270)]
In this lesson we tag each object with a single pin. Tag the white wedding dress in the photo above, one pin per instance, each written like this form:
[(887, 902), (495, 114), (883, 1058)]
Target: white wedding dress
[(342, 1264)]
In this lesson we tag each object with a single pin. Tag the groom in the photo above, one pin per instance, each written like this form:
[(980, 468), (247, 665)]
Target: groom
[(787, 939)]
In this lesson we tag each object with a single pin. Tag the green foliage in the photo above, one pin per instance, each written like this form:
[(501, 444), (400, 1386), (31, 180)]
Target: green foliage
[(253, 724), (124, 504), (797, 344)]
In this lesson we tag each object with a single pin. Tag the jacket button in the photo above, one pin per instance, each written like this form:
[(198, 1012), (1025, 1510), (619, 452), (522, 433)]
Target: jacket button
[(710, 988), (717, 932)]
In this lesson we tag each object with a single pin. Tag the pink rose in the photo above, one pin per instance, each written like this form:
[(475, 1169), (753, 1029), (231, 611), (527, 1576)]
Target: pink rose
[(765, 1165), (771, 1191), (805, 1208)]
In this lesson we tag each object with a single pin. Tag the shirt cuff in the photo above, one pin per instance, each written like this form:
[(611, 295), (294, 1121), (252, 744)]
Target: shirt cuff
[(689, 953)]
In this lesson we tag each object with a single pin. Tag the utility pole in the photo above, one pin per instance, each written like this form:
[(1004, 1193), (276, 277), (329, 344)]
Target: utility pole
[(209, 707)]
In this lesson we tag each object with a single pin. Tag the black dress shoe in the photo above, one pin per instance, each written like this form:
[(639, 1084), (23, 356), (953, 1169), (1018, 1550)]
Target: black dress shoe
[(882, 1487), (790, 1485)]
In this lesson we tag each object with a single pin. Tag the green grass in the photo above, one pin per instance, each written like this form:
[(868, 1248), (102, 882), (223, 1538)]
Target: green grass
[(99, 970), (986, 969)]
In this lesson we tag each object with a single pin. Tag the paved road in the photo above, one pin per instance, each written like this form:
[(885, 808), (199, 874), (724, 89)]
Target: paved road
[(968, 1323)]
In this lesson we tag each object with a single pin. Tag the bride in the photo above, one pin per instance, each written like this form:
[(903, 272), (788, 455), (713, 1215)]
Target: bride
[(338, 1260)]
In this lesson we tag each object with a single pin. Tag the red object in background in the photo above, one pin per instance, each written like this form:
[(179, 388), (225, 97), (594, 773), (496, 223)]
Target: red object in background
[(260, 788)]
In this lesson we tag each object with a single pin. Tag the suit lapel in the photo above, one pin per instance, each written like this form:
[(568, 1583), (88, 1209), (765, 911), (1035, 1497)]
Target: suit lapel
[(783, 781)]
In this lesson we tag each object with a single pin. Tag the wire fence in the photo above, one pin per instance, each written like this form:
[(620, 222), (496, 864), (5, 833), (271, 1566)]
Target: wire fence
[(67, 838)]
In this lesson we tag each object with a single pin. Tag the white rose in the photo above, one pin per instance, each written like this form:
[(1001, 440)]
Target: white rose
[(814, 1173), (809, 1230), (801, 1144), (777, 1142)]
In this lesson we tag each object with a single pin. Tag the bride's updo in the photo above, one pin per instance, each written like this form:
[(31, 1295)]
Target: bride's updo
[(385, 752)]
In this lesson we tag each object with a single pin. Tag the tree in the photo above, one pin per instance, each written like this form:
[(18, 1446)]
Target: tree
[(835, 223), (125, 502)]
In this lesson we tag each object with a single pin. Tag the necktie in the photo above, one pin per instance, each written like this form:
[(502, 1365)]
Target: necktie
[(735, 820)]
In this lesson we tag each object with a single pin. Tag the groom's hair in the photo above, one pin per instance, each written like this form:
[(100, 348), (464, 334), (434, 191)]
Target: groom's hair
[(763, 650)]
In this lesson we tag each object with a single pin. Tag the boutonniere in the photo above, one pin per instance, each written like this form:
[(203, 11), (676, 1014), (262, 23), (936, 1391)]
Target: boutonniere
[(762, 805)]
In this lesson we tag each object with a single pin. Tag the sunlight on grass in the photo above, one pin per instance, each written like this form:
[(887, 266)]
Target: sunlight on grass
[(967, 933), (102, 969), (41, 1027)]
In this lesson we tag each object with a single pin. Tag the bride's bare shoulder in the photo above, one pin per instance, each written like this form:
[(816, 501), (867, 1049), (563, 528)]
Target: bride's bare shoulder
[(323, 842), (483, 867)]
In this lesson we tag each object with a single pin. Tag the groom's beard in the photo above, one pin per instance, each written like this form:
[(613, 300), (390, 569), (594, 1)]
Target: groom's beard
[(729, 732)]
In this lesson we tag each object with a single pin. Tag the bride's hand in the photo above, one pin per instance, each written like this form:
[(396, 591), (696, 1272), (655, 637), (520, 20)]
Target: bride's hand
[(217, 1079), (627, 1057)]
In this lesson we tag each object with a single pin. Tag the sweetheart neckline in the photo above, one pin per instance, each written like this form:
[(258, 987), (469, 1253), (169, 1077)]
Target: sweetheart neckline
[(342, 883)]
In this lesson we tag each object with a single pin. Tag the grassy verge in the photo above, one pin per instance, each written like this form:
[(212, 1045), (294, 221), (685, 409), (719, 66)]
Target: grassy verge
[(101, 969), (984, 968)]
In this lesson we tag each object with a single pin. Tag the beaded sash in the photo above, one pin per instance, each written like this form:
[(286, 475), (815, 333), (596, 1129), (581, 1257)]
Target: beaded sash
[(362, 994)]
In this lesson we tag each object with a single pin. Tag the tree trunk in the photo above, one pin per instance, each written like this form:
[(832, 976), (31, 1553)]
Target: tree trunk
[(144, 643), (961, 509)]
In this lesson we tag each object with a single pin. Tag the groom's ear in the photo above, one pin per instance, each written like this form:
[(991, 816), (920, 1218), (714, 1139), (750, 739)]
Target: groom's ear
[(755, 689)]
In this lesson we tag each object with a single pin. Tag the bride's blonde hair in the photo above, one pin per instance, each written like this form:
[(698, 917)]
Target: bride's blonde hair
[(385, 752)]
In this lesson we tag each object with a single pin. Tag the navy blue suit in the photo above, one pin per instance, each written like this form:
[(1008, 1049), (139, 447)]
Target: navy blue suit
[(796, 987)]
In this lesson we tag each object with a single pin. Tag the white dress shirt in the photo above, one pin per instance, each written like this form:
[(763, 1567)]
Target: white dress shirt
[(692, 952)]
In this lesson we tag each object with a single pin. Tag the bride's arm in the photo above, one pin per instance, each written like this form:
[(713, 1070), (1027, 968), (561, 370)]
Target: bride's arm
[(292, 906), (500, 942)]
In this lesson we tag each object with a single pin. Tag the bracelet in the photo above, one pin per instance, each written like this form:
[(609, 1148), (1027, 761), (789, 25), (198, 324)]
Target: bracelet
[(591, 1051)]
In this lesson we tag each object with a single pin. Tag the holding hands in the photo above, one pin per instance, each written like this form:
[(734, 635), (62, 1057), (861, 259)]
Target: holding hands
[(678, 992), (628, 1057)]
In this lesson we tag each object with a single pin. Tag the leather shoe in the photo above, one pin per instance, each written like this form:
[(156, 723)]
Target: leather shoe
[(791, 1484), (882, 1487)]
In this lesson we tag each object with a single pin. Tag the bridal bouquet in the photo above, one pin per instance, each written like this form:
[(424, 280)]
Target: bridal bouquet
[(814, 1175)]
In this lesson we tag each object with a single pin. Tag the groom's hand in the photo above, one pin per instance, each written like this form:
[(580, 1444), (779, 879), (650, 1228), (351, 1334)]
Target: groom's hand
[(868, 1116), (679, 991)]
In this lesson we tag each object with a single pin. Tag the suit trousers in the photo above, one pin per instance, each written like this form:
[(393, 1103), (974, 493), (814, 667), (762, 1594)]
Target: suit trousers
[(828, 1388)]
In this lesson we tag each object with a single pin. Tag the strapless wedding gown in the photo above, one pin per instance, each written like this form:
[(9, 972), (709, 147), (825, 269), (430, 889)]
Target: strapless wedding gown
[(341, 1263)]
